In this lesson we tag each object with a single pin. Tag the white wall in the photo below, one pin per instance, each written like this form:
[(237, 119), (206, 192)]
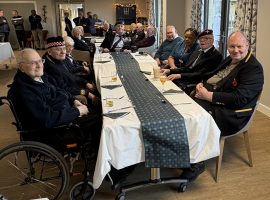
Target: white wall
[(262, 51), (176, 14)]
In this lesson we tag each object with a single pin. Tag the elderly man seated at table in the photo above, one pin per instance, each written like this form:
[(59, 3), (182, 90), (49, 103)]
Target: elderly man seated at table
[(114, 41), (57, 69), (133, 31), (231, 94), (200, 64), (75, 66), (167, 46), (140, 34), (149, 40), (107, 28), (81, 43), (40, 105), (182, 51)]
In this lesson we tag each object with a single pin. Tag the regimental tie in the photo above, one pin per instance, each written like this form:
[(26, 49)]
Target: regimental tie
[(197, 59)]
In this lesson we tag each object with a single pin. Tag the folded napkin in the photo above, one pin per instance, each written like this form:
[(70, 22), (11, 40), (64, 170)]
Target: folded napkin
[(146, 72), (102, 61), (110, 87), (172, 91), (115, 115)]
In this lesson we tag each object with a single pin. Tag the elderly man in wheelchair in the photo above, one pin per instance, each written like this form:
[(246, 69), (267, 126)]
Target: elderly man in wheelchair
[(48, 114)]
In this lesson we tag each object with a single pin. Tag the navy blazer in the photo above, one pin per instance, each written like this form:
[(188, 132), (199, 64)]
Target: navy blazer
[(235, 96), (202, 69)]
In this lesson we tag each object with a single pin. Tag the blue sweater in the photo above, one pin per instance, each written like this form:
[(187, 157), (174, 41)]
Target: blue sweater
[(166, 48)]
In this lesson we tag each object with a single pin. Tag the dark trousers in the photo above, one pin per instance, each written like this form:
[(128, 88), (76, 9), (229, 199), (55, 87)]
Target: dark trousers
[(21, 38), (89, 131), (4, 36)]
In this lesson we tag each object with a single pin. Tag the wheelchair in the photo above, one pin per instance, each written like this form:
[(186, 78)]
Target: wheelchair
[(39, 169)]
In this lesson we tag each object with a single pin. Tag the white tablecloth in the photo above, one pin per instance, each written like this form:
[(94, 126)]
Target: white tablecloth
[(6, 51), (121, 143)]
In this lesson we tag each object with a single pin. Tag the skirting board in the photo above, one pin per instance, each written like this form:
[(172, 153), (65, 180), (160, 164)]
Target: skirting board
[(264, 109)]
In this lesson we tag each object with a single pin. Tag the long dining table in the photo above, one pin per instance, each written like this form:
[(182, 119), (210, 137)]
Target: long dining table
[(121, 142)]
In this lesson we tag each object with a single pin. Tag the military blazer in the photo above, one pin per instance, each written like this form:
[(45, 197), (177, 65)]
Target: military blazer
[(202, 69), (235, 96)]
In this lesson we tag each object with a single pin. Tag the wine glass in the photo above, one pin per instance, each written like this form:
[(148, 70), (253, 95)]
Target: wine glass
[(163, 79)]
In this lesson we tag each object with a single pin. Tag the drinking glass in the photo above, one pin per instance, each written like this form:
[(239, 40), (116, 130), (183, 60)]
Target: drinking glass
[(114, 76), (109, 101), (163, 79)]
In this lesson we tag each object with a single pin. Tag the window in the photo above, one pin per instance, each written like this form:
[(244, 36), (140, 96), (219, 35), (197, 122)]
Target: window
[(219, 16)]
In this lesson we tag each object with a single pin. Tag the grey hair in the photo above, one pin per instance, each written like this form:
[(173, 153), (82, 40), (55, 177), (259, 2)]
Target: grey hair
[(77, 28), (68, 40), (21, 56)]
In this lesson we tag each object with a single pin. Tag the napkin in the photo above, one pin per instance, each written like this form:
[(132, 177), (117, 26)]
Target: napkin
[(146, 72), (105, 61), (172, 91), (110, 87), (115, 115)]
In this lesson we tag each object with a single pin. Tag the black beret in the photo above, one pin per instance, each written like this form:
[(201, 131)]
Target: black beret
[(206, 32), (55, 41)]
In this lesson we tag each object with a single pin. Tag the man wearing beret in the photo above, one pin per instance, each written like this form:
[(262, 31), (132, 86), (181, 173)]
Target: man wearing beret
[(200, 64), (231, 94), (57, 69)]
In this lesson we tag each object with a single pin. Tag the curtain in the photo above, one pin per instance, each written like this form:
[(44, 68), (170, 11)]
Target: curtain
[(155, 18), (246, 20), (196, 15), (151, 13)]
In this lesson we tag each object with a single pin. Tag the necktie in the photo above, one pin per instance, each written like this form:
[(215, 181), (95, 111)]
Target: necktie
[(197, 59), (116, 43)]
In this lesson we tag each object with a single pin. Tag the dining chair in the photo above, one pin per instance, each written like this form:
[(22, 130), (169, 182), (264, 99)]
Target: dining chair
[(243, 131), (150, 50)]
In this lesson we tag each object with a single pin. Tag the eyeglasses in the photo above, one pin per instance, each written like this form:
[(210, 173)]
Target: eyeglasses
[(38, 62)]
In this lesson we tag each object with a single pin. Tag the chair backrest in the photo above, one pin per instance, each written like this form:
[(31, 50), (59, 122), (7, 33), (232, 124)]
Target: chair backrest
[(45, 34), (246, 127), (81, 55), (5, 101), (150, 50)]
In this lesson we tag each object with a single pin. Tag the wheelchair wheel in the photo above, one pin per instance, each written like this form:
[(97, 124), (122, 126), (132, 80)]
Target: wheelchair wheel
[(82, 191), (31, 170)]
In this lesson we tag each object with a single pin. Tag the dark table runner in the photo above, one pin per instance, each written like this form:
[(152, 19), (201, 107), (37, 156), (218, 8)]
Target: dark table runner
[(163, 128)]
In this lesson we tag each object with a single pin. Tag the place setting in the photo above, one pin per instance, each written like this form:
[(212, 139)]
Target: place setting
[(114, 107)]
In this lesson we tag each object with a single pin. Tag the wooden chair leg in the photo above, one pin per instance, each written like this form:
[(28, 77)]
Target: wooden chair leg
[(246, 138), (219, 158)]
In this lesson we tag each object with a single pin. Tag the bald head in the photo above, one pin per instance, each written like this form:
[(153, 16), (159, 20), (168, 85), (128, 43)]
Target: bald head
[(30, 63), (238, 46)]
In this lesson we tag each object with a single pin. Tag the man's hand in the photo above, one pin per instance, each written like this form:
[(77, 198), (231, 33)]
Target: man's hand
[(106, 50), (174, 76), (86, 69), (203, 93), (165, 71), (82, 109), (77, 103)]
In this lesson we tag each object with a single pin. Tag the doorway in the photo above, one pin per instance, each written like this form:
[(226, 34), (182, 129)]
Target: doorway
[(70, 8)]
